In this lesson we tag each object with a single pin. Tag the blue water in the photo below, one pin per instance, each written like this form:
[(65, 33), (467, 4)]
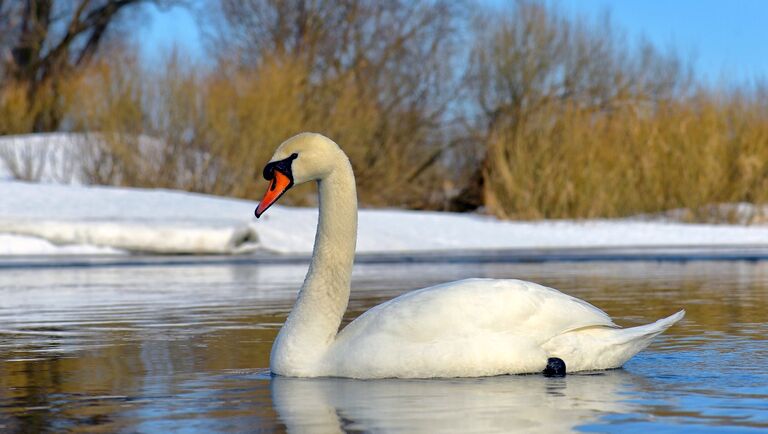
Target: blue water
[(184, 348)]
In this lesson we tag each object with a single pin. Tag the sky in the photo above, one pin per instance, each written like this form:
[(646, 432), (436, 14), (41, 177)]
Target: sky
[(727, 40), (167, 28)]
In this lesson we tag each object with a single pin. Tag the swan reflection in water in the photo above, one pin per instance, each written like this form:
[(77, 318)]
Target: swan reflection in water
[(528, 403)]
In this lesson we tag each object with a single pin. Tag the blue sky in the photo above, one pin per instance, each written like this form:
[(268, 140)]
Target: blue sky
[(168, 28), (728, 40)]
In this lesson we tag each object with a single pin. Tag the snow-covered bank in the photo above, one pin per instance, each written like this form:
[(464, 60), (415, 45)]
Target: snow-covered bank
[(138, 236), (24, 245), (61, 158), (48, 157), (49, 218), (156, 221)]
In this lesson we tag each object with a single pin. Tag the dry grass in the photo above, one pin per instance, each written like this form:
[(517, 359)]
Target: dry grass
[(577, 123), (213, 132), (18, 114), (567, 162)]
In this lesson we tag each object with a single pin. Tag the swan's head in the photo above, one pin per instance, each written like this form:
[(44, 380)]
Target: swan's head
[(304, 157)]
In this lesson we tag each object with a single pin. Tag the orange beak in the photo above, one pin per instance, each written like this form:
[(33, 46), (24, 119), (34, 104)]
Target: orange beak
[(279, 184)]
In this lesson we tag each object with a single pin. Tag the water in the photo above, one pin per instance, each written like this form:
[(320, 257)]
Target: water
[(184, 348)]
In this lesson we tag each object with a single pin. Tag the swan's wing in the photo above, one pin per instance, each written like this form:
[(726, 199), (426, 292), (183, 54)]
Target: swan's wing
[(467, 328), (477, 306)]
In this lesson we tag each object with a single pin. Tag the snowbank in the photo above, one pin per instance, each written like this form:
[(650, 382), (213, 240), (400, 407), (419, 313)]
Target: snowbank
[(36, 218), (42, 157), (146, 236), (61, 158), (137, 220), (21, 245)]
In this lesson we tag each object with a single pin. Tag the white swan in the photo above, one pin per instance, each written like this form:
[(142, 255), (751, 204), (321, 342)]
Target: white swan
[(468, 328)]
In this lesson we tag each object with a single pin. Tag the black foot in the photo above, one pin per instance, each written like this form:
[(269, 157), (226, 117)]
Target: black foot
[(555, 368)]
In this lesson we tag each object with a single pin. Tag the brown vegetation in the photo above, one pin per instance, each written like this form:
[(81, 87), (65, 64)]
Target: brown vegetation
[(576, 124), (43, 42), (528, 113)]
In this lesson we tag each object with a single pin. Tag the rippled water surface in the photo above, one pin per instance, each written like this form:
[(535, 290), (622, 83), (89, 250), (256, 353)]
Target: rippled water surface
[(186, 348)]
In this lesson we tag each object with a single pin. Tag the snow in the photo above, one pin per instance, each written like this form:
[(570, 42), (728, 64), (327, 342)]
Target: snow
[(61, 158), (68, 219), (61, 215), (42, 157), (20, 245), (137, 220)]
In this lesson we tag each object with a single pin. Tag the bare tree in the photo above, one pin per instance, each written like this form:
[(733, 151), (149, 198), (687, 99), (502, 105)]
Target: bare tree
[(394, 56), (41, 41), (529, 63)]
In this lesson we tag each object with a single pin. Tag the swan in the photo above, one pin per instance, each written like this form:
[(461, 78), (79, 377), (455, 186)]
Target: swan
[(467, 328)]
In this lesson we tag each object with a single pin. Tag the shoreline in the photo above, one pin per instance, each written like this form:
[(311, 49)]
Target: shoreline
[(753, 253)]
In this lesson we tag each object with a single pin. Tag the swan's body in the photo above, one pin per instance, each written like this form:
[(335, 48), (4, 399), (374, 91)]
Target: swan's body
[(469, 328)]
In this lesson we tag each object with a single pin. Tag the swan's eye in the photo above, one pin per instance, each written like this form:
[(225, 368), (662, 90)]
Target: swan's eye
[(283, 165)]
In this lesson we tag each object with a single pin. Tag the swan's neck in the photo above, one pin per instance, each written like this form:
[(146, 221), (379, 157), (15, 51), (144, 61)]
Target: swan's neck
[(314, 321)]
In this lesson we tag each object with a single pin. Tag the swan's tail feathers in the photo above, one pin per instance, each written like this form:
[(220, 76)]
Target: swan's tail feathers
[(669, 321), (636, 339), (606, 347), (650, 331)]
